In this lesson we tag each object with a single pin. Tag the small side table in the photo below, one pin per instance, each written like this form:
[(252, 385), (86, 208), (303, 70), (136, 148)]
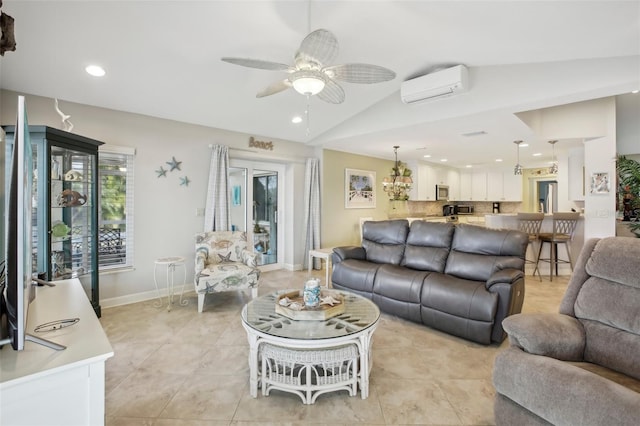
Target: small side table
[(322, 254), (170, 263)]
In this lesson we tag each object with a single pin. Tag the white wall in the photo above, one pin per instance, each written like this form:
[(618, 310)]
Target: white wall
[(165, 219), (594, 122), (628, 124)]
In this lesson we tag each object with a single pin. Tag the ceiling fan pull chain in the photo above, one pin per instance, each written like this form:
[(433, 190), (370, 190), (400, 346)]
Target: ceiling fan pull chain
[(306, 114)]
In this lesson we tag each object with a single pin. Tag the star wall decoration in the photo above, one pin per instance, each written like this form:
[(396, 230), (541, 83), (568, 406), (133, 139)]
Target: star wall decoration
[(184, 181), (161, 172), (174, 164)]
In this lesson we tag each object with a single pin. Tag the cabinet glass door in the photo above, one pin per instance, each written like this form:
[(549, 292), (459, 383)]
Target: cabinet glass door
[(71, 215)]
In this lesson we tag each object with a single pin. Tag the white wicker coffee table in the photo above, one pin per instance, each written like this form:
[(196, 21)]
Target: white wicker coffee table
[(309, 358)]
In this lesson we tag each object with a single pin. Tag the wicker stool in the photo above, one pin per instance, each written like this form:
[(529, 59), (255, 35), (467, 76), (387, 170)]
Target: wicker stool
[(309, 373)]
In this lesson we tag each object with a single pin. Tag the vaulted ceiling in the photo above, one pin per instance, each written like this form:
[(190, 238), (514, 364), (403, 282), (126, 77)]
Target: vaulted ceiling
[(163, 60)]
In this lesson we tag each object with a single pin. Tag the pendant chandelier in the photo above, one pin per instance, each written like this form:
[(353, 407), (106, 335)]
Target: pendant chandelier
[(517, 170), (398, 183), (553, 170)]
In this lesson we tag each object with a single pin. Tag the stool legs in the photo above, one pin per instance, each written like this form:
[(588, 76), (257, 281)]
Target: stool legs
[(535, 258), (553, 258)]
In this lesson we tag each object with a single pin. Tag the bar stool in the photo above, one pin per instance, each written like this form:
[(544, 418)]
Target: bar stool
[(530, 223), (563, 226)]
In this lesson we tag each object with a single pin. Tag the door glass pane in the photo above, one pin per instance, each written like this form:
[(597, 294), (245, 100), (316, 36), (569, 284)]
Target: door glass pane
[(265, 209), (238, 210)]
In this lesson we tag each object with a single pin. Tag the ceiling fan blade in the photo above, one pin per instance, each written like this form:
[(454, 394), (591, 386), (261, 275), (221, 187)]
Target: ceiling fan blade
[(319, 47), (360, 73), (272, 89), (332, 92), (257, 63)]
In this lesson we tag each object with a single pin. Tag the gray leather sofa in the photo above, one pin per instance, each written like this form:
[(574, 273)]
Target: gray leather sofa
[(580, 366), (460, 279)]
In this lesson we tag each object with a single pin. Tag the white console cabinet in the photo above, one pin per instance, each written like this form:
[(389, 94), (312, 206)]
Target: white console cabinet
[(42, 386)]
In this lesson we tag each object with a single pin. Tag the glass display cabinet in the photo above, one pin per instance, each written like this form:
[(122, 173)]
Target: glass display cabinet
[(66, 207)]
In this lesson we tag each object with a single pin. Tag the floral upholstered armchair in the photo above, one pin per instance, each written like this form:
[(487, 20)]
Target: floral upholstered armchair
[(223, 263)]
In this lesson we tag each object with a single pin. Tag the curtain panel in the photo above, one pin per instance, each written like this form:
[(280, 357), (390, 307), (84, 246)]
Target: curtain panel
[(312, 210), (217, 213)]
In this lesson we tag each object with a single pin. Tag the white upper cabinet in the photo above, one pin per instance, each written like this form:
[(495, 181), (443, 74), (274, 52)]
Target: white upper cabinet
[(453, 180), (490, 186), (465, 186), (478, 186), (423, 187), (426, 177), (504, 186)]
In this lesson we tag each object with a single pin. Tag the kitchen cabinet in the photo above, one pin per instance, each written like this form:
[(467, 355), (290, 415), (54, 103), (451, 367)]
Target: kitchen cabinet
[(453, 180), (478, 186), (504, 186), (465, 186), (490, 186), (424, 182)]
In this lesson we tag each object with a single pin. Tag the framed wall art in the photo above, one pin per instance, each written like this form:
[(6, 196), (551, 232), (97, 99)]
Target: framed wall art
[(359, 189), (600, 183)]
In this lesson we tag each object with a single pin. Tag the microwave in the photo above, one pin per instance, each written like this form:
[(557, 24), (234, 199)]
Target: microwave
[(442, 192), (464, 209)]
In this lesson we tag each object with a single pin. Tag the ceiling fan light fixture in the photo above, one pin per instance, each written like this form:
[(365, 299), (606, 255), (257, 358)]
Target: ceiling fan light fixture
[(307, 82)]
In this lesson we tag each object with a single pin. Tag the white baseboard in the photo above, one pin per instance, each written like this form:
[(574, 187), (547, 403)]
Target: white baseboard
[(141, 297)]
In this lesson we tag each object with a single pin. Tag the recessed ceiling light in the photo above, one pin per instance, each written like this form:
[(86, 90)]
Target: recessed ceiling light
[(635, 91), (296, 120), (444, 160), (426, 156), (468, 166), (537, 154), (498, 160), (95, 70), (524, 145)]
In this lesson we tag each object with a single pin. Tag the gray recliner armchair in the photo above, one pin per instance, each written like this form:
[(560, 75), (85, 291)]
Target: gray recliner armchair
[(582, 365)]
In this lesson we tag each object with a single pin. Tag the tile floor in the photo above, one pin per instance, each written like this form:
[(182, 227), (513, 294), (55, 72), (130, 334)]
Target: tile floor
[(181, 368)]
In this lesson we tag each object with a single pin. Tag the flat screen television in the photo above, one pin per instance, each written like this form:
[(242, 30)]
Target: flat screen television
[(18, 242)]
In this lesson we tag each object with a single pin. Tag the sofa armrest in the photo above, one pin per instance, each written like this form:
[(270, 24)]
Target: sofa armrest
[(348, 252), (201, 260), (508, 276), (249, 258), (554, 335)]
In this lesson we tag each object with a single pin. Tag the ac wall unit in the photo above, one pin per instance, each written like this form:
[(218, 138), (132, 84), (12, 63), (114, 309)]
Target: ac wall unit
[(436, 85)]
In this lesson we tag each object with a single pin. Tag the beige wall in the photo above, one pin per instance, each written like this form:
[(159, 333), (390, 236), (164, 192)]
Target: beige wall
[(340, 226)]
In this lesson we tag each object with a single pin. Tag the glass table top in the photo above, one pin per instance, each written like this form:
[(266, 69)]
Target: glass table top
[(360, 313)]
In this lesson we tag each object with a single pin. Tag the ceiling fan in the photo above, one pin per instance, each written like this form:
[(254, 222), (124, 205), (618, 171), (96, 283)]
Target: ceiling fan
[(312, 73)]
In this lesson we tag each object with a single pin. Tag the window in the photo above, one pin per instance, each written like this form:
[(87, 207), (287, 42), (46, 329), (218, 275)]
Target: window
[(115, 216)]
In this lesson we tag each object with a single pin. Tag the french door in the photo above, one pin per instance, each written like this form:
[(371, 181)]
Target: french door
[(257, 191)]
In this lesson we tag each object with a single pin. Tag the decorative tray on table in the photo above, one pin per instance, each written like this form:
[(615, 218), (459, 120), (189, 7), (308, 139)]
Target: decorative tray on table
[(291, 305)]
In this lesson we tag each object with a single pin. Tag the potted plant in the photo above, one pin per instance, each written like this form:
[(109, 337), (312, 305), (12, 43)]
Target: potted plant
[(628, 171)]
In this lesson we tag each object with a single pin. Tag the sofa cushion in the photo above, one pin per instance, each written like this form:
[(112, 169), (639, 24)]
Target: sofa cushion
[(355, 275), (397, 290), (613, 348), (460, 297), (428, 245), (384, 240), (615, 259), (538, 383), (476, 253), (609, 303)]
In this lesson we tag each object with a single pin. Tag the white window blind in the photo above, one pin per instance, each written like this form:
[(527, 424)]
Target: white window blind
[(116, 211)]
